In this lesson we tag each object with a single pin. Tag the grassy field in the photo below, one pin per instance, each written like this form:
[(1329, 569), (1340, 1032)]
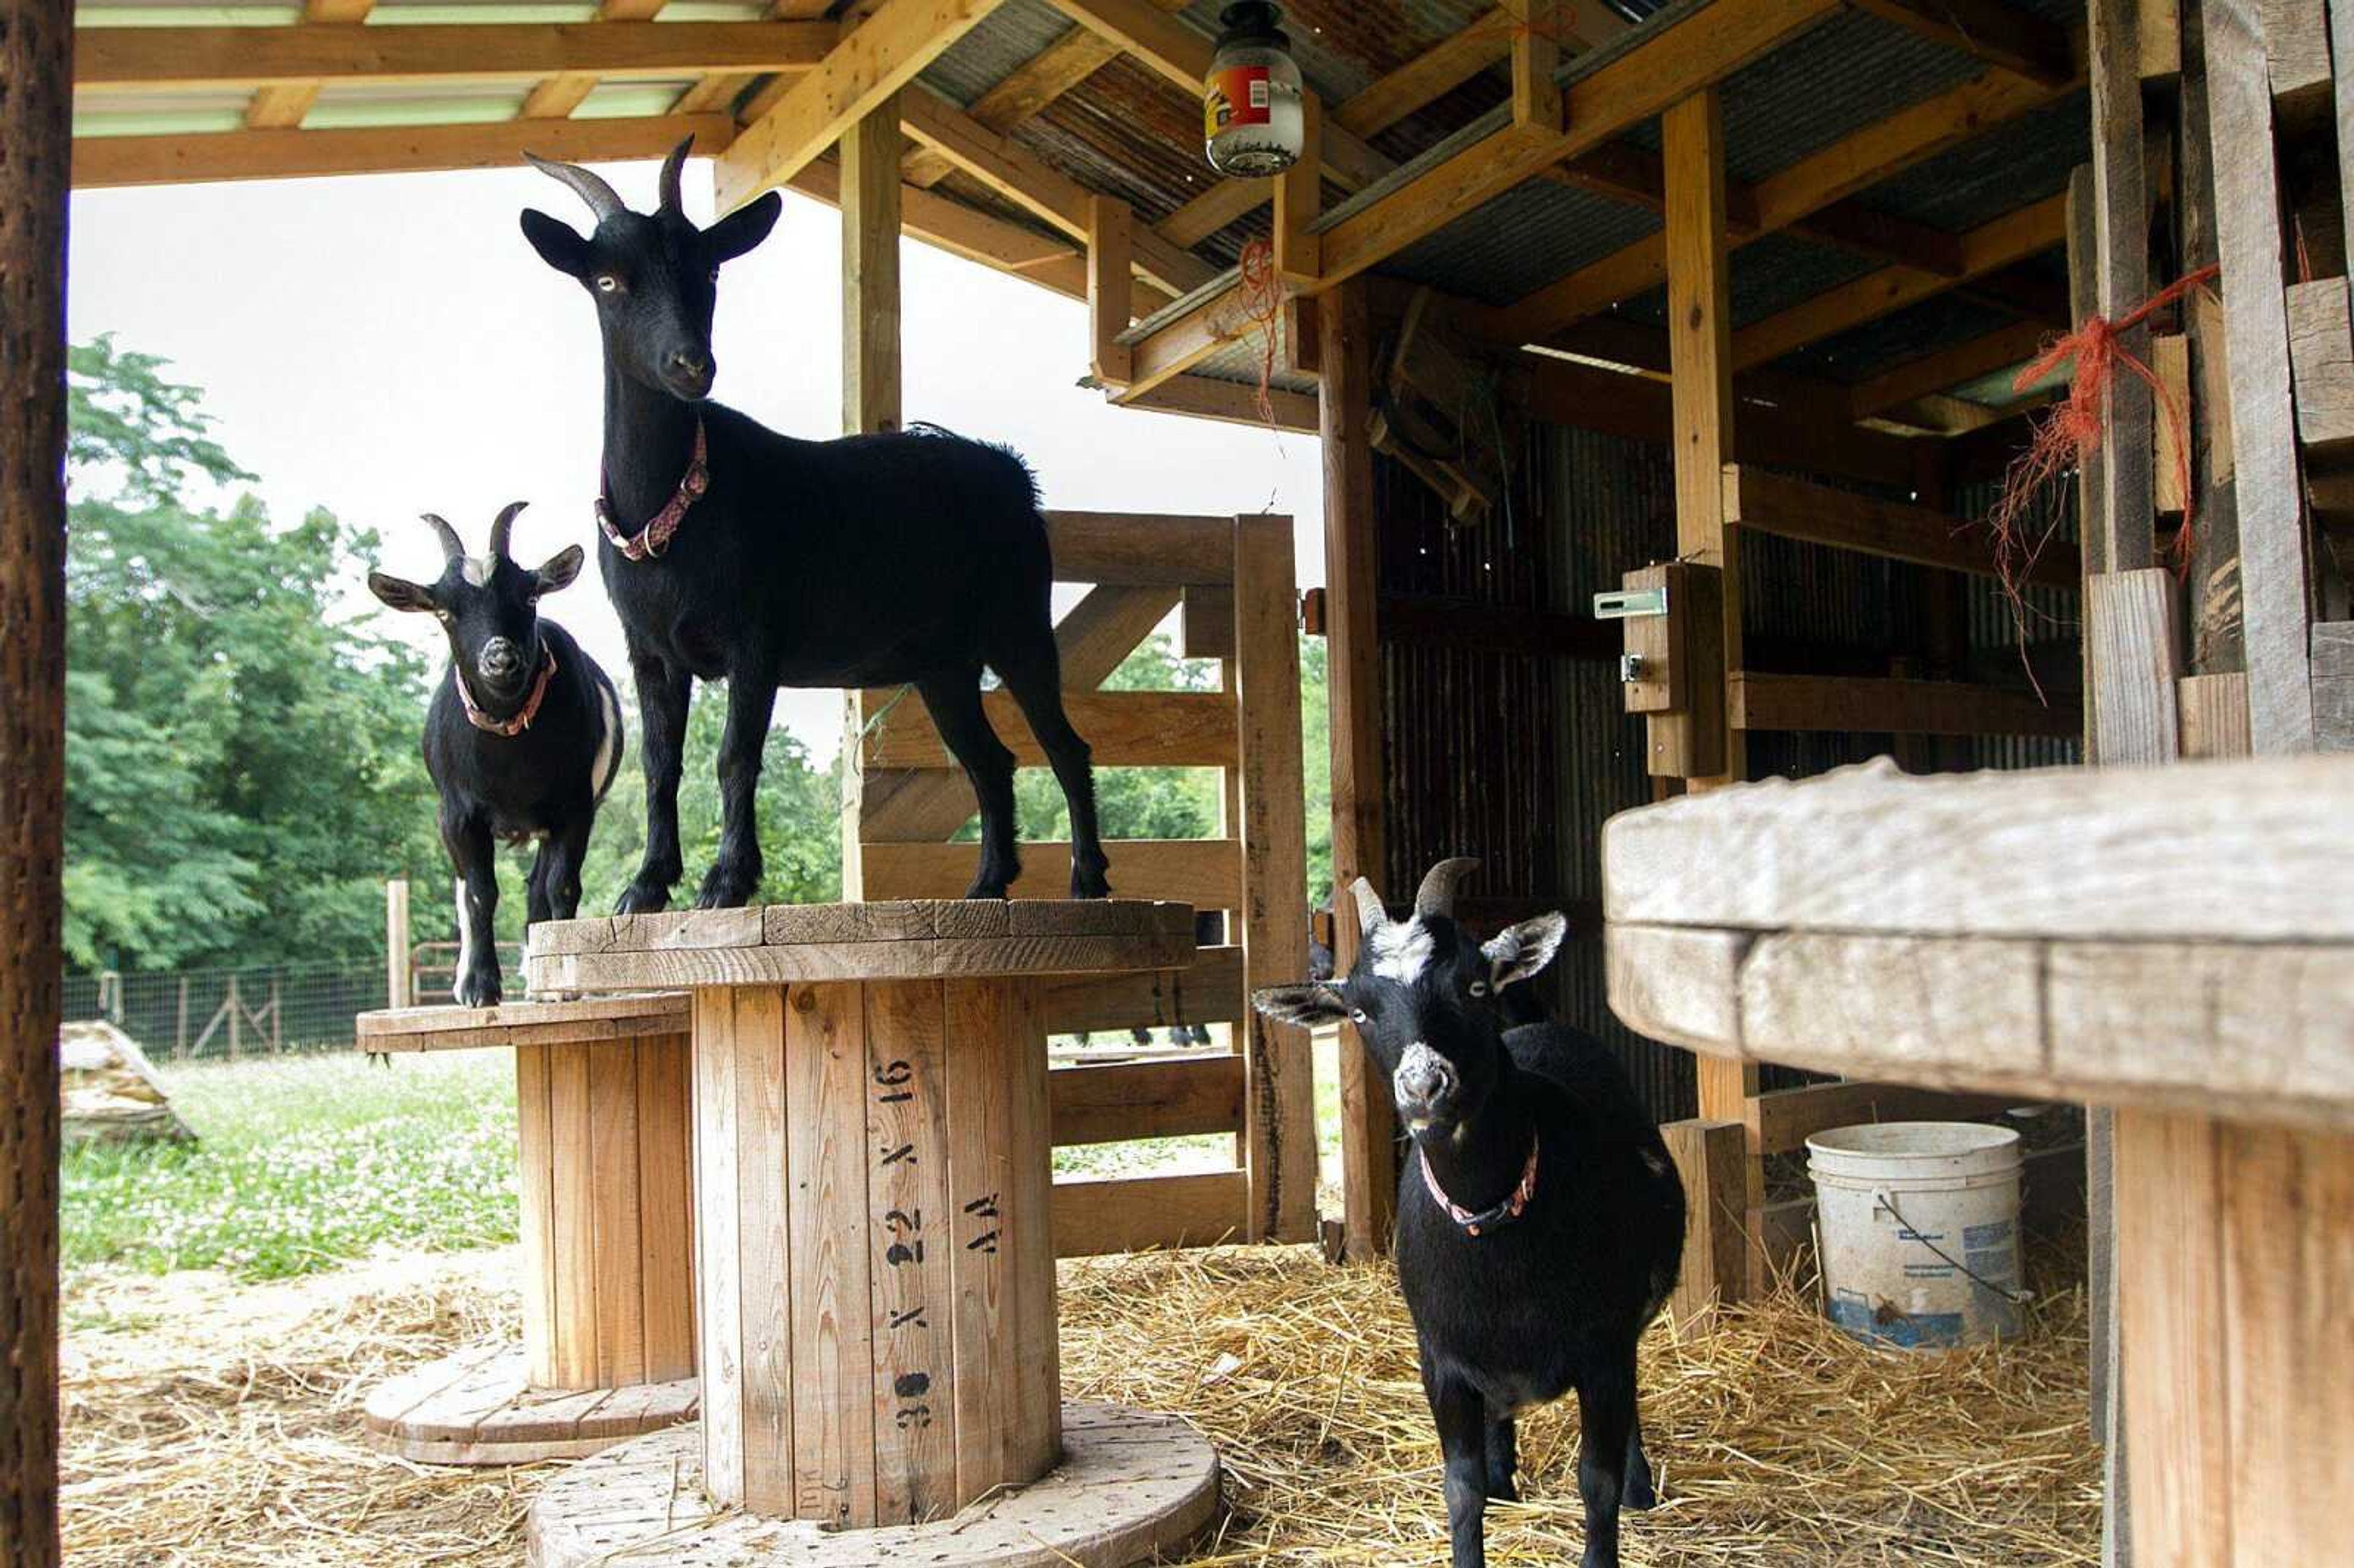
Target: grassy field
[(305, 1162)]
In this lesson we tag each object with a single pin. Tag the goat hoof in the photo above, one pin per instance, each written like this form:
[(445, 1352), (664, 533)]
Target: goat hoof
[(984, 888), (643, 898), (1090, 884), (478, 990), (1638, 1493), (1503, 1490)]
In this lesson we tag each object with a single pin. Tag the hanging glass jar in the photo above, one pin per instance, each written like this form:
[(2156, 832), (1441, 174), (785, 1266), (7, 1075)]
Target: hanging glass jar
[(1250, 103)]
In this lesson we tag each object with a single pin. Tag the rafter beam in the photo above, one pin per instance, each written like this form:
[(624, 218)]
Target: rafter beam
[(284, 105), (2000, 33), (1674, 60), (184, 59), (1987, 248), (1062, 66), (958, 229), (1809, 192), (556, 97), (882, 55), (1946, 368), (101, 161), (720, 92)]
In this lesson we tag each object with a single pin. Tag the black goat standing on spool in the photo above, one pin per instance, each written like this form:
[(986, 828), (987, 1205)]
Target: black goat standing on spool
[(1540, 1224), (734, 552), (523, 739)]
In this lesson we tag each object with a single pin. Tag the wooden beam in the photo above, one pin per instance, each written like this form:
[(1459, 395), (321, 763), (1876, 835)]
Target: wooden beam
[(1536, 96), (1229, 403), (1169, 48), (720, 92), (1768, 503), (1437, 71), (959, 230), (2002, 35), (1205, 873), (2275, 586), (1110, 291), (190, 58), (1712, 1158), (101, 161), (870, 271), (1806, 191), (1992, 245), (1859, 704), (36, 45), (1675, 58), (1134, 1213), (1126, 729), (882, 55), (1299, 198), (2133, 641), (1368, 1155), (1118, 1101), (2124, 508), (1946, 368), (277, 108), (556, 97)]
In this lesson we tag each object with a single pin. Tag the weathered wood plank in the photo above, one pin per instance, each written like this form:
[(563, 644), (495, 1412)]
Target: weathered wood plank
[(1793, 508), (1133, 1213), (1712, 1158), (1756, 700), (2321, 357), (1119, 1101), (2131, 624)]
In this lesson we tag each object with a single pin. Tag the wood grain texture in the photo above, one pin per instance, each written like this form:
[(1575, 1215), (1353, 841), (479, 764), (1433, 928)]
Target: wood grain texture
[(1115, 1102), (572, 1137), (982, 1060), (912, 1235), (1205, 873), (2134, 644), (2021, 853), (2214, 714), (1756, 700), (871, 149), (106, 161), (1124, 729), (616, 1227), (479, 1407), (720, 1242), (1711, 1158), (2333, 685), (1768, 503), (2274, 586), (667, 1205), (1132, 1487), (763, 1284), (535, 1208), (2321, 358), (1033, 1232), (1280, 1112), (1133, 1213), (2126, 501), (1368, 1125), (524, 1023), (1208, 991), (829, 1164), (1781, 1120)]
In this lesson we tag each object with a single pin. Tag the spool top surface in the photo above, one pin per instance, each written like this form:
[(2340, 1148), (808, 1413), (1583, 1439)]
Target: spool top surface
[(453, 1028), (901, 939)]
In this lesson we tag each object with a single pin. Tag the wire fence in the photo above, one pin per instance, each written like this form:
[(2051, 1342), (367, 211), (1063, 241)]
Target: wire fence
[(227, 1014)]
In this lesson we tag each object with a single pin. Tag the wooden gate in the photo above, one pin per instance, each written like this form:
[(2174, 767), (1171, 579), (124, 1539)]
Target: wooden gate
[(1233, 578)]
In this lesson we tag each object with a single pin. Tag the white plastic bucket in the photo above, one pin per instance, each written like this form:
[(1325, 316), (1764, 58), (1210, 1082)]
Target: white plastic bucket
[(1908, 1212)]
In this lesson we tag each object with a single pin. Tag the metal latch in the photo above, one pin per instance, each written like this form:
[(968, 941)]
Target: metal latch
[(1626, 604), (1630, 666)]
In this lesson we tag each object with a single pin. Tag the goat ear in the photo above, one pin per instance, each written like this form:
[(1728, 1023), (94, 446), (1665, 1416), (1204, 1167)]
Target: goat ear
[(1519, 951), (558, 570), (1306, 1005), (742, 229), (400, 593), (558, 244)]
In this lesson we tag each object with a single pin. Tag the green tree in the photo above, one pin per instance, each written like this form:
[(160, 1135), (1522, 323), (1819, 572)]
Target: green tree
[(242, 765)]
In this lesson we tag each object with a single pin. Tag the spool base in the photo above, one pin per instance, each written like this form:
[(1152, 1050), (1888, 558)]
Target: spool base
[(1130, 1485), (478, 1408)]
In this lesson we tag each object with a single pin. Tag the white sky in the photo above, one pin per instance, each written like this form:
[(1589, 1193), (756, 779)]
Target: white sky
[(389, 344)]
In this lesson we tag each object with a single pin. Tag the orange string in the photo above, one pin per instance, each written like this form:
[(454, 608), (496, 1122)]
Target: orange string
[(1260, 293), (2075, 428)]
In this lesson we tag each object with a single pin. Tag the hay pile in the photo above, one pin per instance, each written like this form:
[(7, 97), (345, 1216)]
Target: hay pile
[(218, 1427)]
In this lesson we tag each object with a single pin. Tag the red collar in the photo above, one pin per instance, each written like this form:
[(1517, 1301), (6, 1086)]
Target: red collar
[(1503, 1214), (655, 537), (522, 721)]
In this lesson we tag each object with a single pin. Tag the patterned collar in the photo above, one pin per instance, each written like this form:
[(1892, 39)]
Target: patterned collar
[(530, 710), (655, 537), (1503, 1214)]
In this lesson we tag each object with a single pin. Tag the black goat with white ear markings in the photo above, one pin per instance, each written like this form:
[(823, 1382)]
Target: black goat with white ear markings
[(1540, 1224), (521, 741)]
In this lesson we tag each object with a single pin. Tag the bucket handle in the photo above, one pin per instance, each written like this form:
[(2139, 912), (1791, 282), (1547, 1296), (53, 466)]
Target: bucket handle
[(2016, 1298)]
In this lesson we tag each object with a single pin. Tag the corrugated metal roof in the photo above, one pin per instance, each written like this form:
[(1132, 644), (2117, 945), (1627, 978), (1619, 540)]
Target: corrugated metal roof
[(1909, 333), (2011, 165), (1830, 81), (1525, 238), (1011, 36)]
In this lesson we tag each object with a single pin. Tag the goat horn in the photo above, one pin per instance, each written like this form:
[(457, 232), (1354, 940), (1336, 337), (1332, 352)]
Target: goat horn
[(504, 524), (452, 547), (1371, 916), (670, 173), (1437, 894), (601, 197)]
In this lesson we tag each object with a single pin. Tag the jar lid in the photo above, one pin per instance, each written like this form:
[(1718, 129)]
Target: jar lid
[(1252, 22)]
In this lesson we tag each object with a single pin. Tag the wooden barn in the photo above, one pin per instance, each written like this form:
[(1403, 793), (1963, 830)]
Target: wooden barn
[(1669, 360)]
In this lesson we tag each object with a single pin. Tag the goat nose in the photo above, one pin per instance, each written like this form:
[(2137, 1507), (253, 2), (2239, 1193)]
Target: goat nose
[(691, 362), (499, 657)]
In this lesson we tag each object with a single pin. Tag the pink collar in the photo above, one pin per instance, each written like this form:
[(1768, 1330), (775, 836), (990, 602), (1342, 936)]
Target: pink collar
[(1503, 1214), (522, 721), (655, 537)]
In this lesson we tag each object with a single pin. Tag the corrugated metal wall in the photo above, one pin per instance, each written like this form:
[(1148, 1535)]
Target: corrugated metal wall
[(1519, 759)]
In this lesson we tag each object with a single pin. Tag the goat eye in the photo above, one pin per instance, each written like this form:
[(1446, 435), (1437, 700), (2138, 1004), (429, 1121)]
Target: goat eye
[(715, 274), (1357, 1015), (1479, 988), (607, 283)]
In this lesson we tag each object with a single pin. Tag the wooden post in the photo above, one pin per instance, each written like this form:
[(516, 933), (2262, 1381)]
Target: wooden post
[(2127, 497), (1280, 1118), (37, 62), (1368, 1124), (1700, 360), (1712, 1158), (277, 1019), (397, 982), (870, 352), (2274, 581), (233, 1007), (1111, 288), (180, 1026)]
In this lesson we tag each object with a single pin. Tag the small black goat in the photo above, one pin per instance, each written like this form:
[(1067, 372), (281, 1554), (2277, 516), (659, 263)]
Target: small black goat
[(1540, 1226), (734, 552), (521, 741)]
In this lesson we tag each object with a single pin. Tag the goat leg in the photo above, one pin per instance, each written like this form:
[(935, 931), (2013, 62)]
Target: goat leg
[(954, 702), (1036, 681), (1461, 1417), (734, 874), (663, 695), (468, 839), (1641, 1492), (1503, 1458), (565, 851), (1605, 1399)]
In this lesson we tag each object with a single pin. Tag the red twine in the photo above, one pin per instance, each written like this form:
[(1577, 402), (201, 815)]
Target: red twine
[(1260, 295), (2074, 430)]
